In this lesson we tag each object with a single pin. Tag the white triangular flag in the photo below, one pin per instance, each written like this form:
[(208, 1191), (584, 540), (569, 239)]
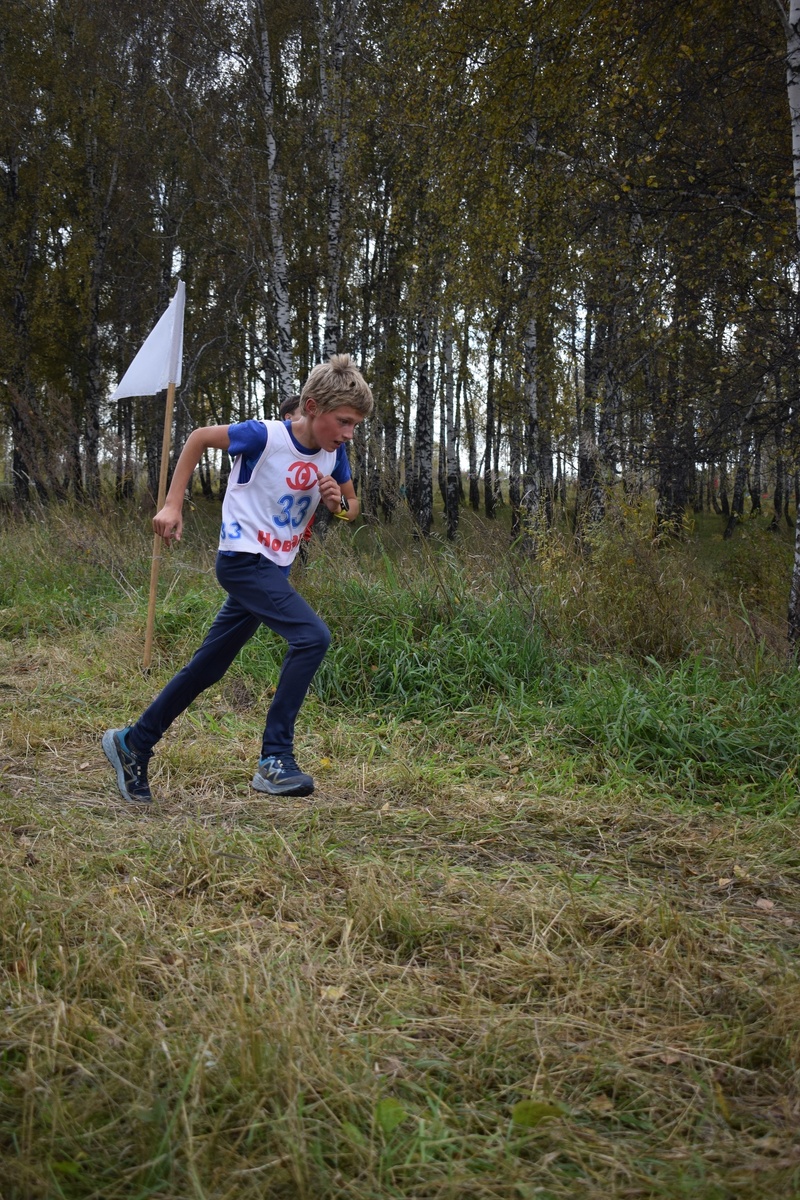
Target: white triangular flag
[(158, 363)]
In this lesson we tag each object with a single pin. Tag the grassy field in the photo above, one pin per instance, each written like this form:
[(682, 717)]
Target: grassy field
[(535, 935)]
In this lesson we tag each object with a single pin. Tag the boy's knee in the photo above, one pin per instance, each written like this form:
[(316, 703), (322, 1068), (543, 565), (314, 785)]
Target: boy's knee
[(318, 638), (324, 637), (312, 638)]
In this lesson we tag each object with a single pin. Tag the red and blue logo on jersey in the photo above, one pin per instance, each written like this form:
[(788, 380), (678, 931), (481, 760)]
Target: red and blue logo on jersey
[(302, 476)]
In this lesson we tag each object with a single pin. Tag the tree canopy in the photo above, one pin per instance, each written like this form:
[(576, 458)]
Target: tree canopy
[(559, 238)]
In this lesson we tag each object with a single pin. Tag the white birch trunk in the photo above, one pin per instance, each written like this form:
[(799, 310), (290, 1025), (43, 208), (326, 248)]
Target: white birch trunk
[(93, 342), (452, 479), (336, 33), (531, 498), (423, 441), (279, 266), (791, 24)]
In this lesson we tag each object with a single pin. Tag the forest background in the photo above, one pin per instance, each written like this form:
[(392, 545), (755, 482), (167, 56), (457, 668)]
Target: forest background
[(559, 239)]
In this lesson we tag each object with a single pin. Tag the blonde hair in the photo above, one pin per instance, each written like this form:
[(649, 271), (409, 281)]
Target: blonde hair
[(335, 383)]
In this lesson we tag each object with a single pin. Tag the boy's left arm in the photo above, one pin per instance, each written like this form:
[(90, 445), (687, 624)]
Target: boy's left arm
[(331, 493), (353, 507)]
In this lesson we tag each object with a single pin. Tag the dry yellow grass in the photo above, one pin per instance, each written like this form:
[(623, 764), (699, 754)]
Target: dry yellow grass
[(347, 996)]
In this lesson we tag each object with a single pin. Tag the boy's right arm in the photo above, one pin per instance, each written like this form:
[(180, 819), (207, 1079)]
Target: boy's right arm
[(168, 522)]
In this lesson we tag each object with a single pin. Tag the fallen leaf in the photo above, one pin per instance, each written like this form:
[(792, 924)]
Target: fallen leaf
[(767, 905), (669, 1059), (326, 764), (173, 958), (740, 873), (530, 1113), (332, 993), (724, 882), (67, 1168), (389, 1113), (722, 1103), (601, 1104), (353, 1133), (389, 1066)]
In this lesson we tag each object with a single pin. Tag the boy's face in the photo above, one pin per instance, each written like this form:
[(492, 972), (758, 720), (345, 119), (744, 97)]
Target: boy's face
[(331, 429)]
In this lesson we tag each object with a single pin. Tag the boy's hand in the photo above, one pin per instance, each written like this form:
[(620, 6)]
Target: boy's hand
[(330, 493), (168, 523)]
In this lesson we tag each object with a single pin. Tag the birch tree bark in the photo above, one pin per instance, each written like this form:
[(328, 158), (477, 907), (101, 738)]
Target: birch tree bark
[(279, 265), (407, 449), (590, 502), (739, 485), (423, 441), (754, 481), (780, 480), (531, 494), (334, 34), (489, 490), (452, 474), (472, 452), (101, 203), (515, 464), (790, 17)]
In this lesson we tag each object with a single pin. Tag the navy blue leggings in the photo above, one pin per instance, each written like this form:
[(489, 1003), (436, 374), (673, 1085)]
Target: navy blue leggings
[(258, 593)]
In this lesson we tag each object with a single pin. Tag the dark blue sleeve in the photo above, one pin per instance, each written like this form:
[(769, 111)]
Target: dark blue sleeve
[(248, 438), (341, 469)]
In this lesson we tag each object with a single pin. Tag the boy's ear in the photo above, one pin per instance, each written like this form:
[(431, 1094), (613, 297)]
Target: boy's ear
[(310, 406)]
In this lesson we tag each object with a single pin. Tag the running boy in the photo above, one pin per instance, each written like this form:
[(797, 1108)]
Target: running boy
[(279, 476)]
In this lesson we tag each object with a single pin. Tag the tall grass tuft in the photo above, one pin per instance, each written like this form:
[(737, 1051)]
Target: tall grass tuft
[(692, 728), (401, 649)]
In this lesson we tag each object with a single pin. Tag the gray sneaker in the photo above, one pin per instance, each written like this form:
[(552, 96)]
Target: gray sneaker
[(280, 775), (131, 768)]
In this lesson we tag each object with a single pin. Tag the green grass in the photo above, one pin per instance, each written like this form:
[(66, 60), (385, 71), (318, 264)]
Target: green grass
[(535, 935), (403, 651), (694, 729)]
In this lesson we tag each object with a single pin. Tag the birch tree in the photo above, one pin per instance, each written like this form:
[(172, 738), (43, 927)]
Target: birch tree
[(452, 496), (335, 20), (275, 201), (790, 18)]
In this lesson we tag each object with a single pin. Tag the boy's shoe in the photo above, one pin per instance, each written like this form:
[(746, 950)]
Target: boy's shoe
[(280, 775), (131, 767)]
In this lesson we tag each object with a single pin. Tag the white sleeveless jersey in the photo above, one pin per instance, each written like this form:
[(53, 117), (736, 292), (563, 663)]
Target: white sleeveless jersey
[(269, 514)]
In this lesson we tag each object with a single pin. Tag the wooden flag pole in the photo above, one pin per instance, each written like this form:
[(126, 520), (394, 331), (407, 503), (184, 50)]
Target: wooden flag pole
[(156, 366), (157, 539)]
